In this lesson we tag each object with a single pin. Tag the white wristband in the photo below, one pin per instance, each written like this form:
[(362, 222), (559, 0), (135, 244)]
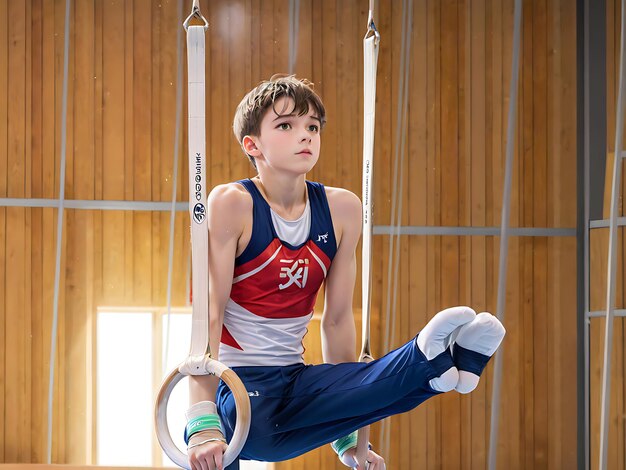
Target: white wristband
[(201, 408), (213, 439)]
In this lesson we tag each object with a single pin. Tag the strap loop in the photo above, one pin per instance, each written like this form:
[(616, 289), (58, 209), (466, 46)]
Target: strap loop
[(195, 13), (371, 26)]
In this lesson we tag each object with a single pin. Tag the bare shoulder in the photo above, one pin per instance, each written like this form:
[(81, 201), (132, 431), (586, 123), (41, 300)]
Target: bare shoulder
[(230, 210), (230, 198), (346, 212), (342, 201)]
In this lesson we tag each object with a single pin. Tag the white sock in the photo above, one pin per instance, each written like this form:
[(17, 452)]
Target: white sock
[(482, 335), (446, 381), (434, 339)]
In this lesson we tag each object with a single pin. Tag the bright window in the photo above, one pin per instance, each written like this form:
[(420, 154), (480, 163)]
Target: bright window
[(177, 349), (131, 346), (124, 362)]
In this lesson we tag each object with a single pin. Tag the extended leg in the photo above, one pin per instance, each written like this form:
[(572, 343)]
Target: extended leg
[(298, 408)]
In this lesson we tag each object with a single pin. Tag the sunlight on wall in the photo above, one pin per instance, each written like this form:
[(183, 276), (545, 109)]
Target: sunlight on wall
[(124, 387), (125, 362)]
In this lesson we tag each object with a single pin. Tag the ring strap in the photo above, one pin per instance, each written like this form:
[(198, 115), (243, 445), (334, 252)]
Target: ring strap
[(197, 191), (370, 64)]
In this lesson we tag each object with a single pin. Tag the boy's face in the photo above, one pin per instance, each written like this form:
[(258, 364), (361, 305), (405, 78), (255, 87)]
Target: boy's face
[(287, 143)]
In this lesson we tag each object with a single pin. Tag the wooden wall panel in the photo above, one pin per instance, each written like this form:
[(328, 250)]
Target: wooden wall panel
[(616, 421), (121, 124), (598, 277), (612, 84), (598, 269), (4, 97)]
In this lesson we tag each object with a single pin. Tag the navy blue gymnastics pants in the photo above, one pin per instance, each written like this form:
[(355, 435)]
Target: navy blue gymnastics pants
[(301, 407)]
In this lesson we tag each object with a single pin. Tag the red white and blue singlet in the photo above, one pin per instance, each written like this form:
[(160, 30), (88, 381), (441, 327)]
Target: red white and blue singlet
[(298, 407), (275, 283)]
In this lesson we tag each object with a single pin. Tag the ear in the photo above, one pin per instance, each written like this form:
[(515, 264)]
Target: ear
[(249, 144)]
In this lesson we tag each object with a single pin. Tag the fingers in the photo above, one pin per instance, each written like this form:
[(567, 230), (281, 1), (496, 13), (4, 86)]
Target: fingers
[(203, 464), (374, 461), (207, 457), (196, 463), (219, 461)]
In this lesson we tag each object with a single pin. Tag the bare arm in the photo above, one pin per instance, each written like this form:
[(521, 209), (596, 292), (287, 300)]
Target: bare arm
[(338, 330), (227, 206)]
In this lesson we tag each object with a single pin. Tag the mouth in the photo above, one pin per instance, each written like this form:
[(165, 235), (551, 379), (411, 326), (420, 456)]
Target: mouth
[(305, 152)]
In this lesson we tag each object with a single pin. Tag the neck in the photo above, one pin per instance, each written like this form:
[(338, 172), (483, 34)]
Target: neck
[(283, 192)]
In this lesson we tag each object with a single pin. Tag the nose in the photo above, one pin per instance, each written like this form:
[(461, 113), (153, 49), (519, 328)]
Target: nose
[(306, 137)]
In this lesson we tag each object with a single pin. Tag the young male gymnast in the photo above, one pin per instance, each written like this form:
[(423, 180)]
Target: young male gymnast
[(273, 241)]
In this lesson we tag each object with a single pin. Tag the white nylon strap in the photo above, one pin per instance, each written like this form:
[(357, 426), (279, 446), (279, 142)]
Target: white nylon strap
[(197, 192), (370, 63), (198, 362)]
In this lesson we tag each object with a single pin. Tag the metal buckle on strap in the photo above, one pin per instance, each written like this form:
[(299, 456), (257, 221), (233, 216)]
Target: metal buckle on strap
[(195, 13)]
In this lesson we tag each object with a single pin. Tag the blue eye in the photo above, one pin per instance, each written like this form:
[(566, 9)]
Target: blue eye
[(285, 126), (314, 128)]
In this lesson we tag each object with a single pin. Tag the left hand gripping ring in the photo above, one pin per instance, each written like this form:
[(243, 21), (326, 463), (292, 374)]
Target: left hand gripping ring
[(242, 404)]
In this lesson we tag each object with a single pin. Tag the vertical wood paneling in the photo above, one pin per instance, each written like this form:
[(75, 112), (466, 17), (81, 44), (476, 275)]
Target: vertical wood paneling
[(327, 44), (38, 409), (615, 450), (3, 342), (113, 149), (433, 204), (49, 105), (217, 107), (537, 196), (4, 96), (474, 444), (121, 125), (164, 84), (79, 254), (449, 163), (17, 441), (417, 191), (36, 290), (238, 41), (16, 338), (142, 149), (598, 269)]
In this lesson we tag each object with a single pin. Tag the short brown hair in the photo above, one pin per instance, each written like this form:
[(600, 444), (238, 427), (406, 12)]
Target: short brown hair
[(255, 104)]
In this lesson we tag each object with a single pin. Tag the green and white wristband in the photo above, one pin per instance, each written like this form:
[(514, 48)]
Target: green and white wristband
[(341, 445), (201, 417)]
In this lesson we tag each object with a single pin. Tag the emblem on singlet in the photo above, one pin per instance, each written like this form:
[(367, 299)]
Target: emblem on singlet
[(323, 238), (296, 274)]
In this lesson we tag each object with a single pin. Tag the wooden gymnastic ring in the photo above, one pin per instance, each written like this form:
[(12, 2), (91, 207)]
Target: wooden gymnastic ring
[(242, 404)]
